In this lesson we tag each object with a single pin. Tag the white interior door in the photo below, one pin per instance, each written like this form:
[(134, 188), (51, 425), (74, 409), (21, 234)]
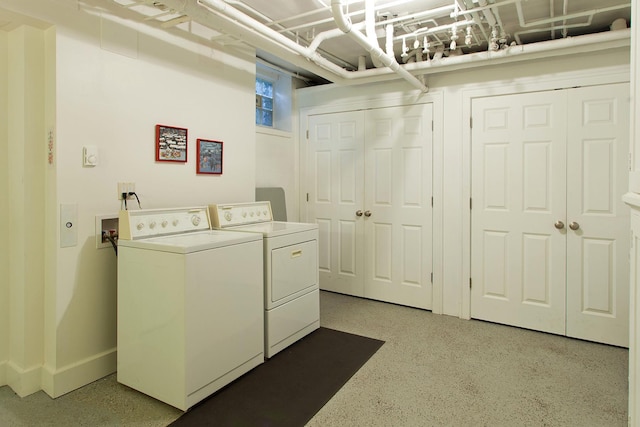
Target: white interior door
[(598, 250), (569, 280), (518, 193), (336, 189), (397, 203)]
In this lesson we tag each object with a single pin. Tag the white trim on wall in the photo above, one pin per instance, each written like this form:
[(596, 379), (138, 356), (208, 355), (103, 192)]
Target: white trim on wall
[(61, 381), (23, 381)]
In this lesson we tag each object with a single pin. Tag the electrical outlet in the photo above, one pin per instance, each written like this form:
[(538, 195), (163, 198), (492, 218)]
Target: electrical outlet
[(126, 188)]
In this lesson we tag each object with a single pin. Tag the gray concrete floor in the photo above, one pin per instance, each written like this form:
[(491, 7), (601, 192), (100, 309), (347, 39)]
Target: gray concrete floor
[(432, 371)]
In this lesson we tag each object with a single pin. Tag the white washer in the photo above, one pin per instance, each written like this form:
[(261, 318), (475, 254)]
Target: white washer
[(291, 276), (189, 304)]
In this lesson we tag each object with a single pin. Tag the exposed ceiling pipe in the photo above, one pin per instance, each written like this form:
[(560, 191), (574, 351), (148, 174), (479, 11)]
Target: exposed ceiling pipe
[(218, 15), (565, 17), (389, 40), (563, 27), (491, 20), (490, 6), (552, 12), (476, 17), (547, 49), (433, 30), (281, 29), (370, 27), (345, 25), (350, 14), (238, 25), (340, 75), (565, 11)]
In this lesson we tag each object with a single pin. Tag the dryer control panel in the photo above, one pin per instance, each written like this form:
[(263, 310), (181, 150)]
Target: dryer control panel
[(232, 215), (136, 224)]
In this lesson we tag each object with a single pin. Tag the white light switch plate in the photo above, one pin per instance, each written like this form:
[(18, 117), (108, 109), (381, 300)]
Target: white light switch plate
[(90, 155), (68, 225)]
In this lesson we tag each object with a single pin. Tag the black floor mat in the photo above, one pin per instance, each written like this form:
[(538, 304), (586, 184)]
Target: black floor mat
[(289, 388)]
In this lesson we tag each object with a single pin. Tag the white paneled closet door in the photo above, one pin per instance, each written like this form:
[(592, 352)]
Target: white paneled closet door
[(398, 183), (549, 236), (370, 184), (598, 248), (519, 192), (335, 180)]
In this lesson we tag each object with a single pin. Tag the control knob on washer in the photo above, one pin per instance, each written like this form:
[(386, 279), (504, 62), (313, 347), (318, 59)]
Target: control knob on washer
[(227, 216), (140, 225), (195, 220), (152, 225)]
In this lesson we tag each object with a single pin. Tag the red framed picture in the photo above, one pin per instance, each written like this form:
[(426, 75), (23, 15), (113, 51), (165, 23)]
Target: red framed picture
[(209, 157), (171, 144)]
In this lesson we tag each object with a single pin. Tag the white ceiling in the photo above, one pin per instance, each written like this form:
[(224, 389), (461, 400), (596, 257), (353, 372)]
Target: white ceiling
[(514, 22), (590, 16)]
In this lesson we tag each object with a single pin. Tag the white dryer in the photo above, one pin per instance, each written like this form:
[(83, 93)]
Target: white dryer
[(291, 275), (189, 304)]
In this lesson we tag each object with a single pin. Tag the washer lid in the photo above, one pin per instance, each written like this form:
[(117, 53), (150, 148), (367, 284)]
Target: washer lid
[(276, 228), (191, 242)]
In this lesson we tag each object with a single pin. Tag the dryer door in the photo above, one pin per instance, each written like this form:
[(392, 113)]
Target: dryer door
[(294, 270)]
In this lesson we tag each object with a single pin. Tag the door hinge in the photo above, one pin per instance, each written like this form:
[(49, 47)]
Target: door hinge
[(432, 126), (431, 277), (307, 197), (470, 283), (307, 133), (470, 203), (431, 201), (471, 122)]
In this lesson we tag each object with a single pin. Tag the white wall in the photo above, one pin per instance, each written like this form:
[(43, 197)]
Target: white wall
[(633, 199), (26, 188), (277, 151), (113, 84), (4, 226), (451, 92), (276, 165)]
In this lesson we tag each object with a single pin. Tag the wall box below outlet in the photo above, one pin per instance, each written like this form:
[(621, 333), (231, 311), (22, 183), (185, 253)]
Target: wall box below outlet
[(109, 224)]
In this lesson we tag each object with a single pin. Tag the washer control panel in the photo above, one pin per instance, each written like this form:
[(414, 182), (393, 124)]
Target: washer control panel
[(232, 215), (136, 224)]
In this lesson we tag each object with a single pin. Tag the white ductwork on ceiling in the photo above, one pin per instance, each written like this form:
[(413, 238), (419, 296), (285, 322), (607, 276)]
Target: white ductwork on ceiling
[(226, 19), (374, 50)]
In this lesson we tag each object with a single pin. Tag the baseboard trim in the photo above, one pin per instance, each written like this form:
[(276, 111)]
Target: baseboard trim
[(23, 381), (71, 377), (3, 373)]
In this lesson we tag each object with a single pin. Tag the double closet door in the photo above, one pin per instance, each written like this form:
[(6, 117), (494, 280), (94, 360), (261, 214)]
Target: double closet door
[(369, 181), (549, 231)]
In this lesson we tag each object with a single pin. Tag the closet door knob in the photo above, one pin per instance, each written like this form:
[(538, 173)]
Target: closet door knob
[(574, 226), (367, 213), (559, 225), (358, 212)]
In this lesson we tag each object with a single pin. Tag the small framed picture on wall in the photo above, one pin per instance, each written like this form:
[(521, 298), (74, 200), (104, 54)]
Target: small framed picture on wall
[(209, 157), (171, 144)]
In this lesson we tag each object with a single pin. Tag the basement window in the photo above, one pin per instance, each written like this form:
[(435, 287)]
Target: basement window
[(274, 94), (264, 102)]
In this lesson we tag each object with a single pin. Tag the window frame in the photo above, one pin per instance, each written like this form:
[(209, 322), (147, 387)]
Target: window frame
[(260, 104)]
